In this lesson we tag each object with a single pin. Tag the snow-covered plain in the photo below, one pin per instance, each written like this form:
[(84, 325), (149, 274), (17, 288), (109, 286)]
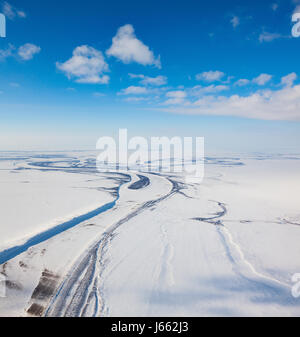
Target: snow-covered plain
[(225, 247)]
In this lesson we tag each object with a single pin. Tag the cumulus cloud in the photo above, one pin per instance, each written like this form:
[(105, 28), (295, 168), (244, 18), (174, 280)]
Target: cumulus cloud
[(135, 99), (87, 65), (136, 75), (235, 21), (241, 82), (127, 48), (210, 76), (198, 90), (28, 50), (262, 79), (134, 90), (6, 52), (157, 81), (282, 104), (11, 12), (25, 52), (180, 97), (154, 81), (175, 97), (289, 79)]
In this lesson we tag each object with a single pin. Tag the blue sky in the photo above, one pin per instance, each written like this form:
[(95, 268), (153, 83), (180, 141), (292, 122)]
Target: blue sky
[(72, 71)]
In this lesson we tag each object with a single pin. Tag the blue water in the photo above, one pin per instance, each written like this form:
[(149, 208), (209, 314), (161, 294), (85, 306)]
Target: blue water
[(11, 253)]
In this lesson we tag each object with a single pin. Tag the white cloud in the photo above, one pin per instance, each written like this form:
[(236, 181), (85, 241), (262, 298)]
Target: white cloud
[(157, 81), (134, 99), (133, 90), (241, 82), (27, 51), (127, 48), (210, 76), (199, 90), (235, 21), (268, 37), (176, 94), (87, 65), (136, 75), (179, 97), (289, 79), (283, 104), (262, 79), (11, 12), (7, 52), (154, 81), (175, 97)]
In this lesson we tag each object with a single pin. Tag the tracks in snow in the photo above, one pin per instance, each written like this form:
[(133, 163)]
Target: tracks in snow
[(241, 265), (81, 293), (166, 273), (79, 289)]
